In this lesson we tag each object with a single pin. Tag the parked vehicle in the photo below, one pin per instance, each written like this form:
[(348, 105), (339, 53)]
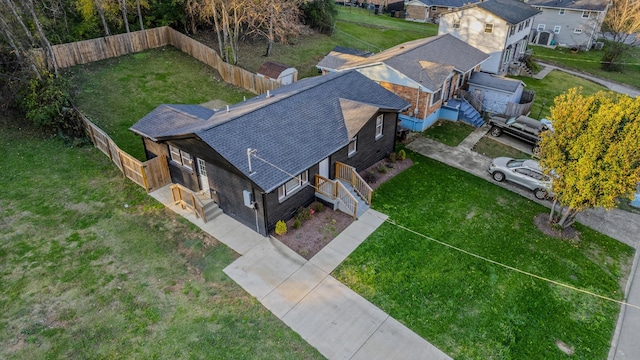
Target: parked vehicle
[(526, 173), (521, 127)]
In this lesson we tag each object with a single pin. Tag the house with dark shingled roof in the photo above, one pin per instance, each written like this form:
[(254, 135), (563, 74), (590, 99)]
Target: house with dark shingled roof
[(425, 72), (259, 160), (499, 28)]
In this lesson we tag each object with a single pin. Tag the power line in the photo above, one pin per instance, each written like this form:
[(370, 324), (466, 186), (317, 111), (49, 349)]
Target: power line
[(513, 268)]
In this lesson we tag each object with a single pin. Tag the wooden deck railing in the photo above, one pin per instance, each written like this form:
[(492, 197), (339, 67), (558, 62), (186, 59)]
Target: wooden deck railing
[(187, 199), (349, 174), (335, 190)]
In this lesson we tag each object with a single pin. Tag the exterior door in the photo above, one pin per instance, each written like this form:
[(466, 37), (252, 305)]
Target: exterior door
[(202, 175), (324, 168)]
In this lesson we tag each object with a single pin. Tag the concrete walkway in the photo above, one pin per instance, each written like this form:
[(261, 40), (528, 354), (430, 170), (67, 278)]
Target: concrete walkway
[(620, 225), (623, 89), (328, 315)]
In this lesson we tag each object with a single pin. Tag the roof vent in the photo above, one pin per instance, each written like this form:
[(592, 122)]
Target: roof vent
[(268, 94), (227, 108)]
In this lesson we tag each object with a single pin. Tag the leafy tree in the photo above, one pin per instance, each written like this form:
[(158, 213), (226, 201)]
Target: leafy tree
[(320, 15), (622, 27), (274, 20), (593, 154)]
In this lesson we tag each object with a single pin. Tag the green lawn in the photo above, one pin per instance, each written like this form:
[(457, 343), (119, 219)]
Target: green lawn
[(554, 84), (470, 308), (492, 149), (116, 93), (589, 62), (93, 268), (448, 132)]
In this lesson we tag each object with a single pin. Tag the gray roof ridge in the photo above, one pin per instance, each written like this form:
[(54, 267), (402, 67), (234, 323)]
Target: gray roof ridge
[(170, 106), (273, 99)]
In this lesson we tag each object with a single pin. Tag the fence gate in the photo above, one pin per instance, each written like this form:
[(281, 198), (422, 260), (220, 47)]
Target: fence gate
[(156, 173)]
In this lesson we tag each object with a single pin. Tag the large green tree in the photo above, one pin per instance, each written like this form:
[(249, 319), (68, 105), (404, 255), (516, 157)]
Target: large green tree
[(593, 154)]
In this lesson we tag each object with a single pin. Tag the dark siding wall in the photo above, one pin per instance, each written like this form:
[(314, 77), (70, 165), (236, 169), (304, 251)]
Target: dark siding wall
[(369, 150), (283, 211), (153, 149)]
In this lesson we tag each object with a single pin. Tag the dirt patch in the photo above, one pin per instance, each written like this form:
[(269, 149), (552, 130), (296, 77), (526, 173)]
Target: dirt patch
[(383, 171), (315, 233), (542, 223)]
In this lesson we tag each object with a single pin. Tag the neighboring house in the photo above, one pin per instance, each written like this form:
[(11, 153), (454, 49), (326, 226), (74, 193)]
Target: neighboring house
[(425, 72), (258, 159), (500, 28), (430, 10), (280, 72), (569, 23), (499, 95), (383, 5)]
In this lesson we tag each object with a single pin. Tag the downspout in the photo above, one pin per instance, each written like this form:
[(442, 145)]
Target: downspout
[(264, 213)]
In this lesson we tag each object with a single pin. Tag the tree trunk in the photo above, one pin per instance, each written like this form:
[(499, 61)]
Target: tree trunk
[(270, 37), (17, 45), (123, 8), (102, 18), (43, 38), (568, 218), (14, 11), (216, 25), (140, 15), (553, 210)]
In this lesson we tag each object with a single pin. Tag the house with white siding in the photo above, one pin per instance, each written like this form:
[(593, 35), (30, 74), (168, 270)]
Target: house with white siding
[(568, 23), (499, 28)]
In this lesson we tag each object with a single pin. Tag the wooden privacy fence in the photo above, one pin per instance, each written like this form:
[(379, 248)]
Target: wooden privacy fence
[(151, 174), (86, 51)]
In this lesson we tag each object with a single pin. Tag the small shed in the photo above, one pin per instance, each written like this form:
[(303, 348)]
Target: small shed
[(417, 11), (496, 92), (279, 72)]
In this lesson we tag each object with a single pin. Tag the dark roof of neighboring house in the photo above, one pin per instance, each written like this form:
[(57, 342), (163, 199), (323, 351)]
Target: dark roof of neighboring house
[(495, 82), (351, 51), (591, 5), (442, 50), (513, 11), (293, 129), (447, 3), (272, 69)]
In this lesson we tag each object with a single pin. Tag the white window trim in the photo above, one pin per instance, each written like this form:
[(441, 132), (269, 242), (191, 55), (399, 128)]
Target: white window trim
[(577, 31), (456, 24), (561, 11), (181, 157), (526, 25), (488, 28), (523, 46), (556, 29), (587, 13), (541, 27), (295, 184), (507, 56), (434, 100), (353, 141), (520, 26), (379, 126), (433, 8)]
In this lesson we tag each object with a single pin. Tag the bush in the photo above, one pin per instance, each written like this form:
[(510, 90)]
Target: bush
[(319, 207), (382, 169), (43, 100), (402, 155), (370, 177), (320, 15), (297, 224), (281, 227), (303, 214), (392, 157)]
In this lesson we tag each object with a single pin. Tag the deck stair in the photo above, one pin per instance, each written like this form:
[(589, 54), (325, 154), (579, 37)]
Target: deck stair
[(198, 202), (467, 113)]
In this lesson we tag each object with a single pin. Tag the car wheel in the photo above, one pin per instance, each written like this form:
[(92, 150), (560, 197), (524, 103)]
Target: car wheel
[(540, 194), (498, 176), (536, 150), (495, 131)]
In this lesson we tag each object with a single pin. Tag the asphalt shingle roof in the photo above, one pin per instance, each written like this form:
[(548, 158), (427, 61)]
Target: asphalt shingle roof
[(494, 81), (587, 5), (447, 3), (445, 50), (513, 11), (294, 128)]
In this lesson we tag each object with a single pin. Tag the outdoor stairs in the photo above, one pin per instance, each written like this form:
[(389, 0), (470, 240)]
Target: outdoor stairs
[(211, 209), (362, 205), (466, 112)]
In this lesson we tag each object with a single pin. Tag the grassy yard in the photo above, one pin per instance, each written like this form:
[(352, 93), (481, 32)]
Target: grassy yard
[(554, 84), (589, 62), (491, 148), (448, 132), (92, 267), (472, 309), (116, 93)]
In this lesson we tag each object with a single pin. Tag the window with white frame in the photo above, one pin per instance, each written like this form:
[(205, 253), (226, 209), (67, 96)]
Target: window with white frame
[(379, 125), (436, 96), (180, 157), (527, 23), (577, 31), (507, 56), (586, 14), (353, 146), (434, 8), (512, 30), (561, 12), (520, 26), (556, 29), (523, 46), (293, 185), (541, 27), (456, 24), (488, 28)]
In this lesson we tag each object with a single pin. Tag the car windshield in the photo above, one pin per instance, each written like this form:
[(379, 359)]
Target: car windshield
[(514, 163), (511, 120)]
